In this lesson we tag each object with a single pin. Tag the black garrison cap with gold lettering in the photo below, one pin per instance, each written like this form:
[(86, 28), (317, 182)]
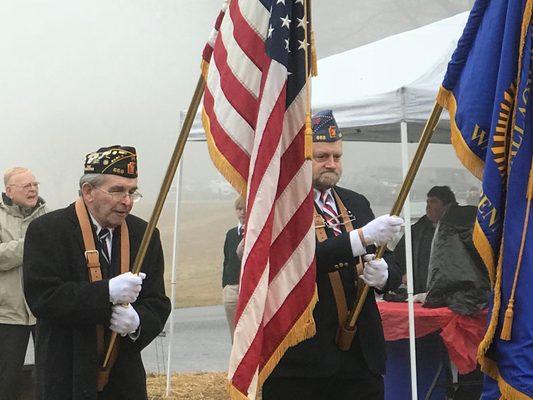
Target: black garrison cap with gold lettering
[(113, 160), (325, 128)]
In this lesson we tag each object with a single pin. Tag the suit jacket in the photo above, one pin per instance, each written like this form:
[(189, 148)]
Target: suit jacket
[(319, 356), (232, 263), (68, 308)]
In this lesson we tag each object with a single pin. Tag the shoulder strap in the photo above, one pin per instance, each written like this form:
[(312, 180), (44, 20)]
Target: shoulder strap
[(334, 277), (346, 220), (124, 248), (92, 256)]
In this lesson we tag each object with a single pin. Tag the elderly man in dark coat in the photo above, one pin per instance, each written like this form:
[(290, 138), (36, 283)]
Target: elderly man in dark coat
[(76, 310), (317, 369)]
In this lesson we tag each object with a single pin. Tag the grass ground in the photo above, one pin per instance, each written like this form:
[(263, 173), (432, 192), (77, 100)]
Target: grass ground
[(194, 386), (201, 234)]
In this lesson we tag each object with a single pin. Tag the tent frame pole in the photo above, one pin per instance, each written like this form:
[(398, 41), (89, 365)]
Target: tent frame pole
[(409, 262), (175, 258)]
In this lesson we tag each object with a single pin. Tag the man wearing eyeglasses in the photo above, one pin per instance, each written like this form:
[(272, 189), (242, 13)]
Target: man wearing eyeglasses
[(347, 234), (19, 206), (77, 282)]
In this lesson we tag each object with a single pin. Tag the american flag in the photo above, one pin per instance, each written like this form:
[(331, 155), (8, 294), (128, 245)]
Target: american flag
[(254, 115)]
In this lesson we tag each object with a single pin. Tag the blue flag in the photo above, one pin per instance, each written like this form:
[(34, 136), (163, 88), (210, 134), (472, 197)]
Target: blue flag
[(486, 91)]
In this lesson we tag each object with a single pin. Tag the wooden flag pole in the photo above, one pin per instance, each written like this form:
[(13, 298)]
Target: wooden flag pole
[(165, 187), (425, 138)]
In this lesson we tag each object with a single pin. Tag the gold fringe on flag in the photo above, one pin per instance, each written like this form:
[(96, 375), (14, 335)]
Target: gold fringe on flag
[(303, 329), (484, 361), (221, 163), (485, 251), (471, 161)]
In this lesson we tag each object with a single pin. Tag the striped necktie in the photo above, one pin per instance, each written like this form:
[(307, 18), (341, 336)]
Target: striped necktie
[(102, 238), (330, 215)]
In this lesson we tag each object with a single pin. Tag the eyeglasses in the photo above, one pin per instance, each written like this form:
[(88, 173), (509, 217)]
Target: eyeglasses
[(28, 186), (119, 196)]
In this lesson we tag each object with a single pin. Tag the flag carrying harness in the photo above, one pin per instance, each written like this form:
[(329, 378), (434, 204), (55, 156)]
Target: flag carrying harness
[(344, 337), (92, 256)]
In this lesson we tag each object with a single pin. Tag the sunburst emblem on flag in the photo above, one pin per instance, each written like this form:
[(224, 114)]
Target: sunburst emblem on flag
[(501, 138)]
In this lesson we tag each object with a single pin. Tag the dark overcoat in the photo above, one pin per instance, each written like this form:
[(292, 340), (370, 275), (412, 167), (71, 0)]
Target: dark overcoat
[(422, 232), (68, 308), (320, 356), (231, 266)]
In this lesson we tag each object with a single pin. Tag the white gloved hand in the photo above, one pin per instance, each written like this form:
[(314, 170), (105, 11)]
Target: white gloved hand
[(420, 298), (125, 288), (381, 230), (376, 271), (124, 319)]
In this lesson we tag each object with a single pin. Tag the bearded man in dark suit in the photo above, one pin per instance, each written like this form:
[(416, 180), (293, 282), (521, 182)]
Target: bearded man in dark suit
[(78, 308), (317, 368)]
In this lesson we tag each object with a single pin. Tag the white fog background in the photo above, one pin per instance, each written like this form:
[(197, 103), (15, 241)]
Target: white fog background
[(77, 75)]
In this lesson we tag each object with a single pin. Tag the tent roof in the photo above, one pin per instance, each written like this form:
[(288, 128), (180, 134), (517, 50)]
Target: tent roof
[(374, 87), (393, 79)]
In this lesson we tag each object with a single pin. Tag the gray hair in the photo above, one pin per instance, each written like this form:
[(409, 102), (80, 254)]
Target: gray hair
[(10, 172), (91, 179)]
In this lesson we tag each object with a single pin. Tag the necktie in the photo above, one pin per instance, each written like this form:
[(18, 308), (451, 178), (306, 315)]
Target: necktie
[(102, 238), (329, 213)]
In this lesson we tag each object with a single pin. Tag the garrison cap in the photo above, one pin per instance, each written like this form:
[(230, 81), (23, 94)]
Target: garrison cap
[(325, 128), (112, 160)]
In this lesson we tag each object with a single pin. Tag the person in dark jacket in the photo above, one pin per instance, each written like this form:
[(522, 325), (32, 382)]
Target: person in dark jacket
[(439, 199), (69, 306), (316, 368), (231, 267)]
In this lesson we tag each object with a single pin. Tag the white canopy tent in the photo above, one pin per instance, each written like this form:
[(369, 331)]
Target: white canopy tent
[(381, 89)]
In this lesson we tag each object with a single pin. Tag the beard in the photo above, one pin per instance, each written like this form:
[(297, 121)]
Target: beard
[(326, 180)]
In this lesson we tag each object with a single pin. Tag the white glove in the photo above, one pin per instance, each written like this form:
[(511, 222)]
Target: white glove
[(381, 230), (420, 298), (125, 288), (376, 271), (124, 319)]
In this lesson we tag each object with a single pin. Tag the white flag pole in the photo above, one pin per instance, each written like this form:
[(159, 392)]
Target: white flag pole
[(175, 254), (409, 263)]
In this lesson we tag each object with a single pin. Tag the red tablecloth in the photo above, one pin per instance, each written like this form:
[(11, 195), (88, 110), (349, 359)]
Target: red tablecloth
[(461, 334)]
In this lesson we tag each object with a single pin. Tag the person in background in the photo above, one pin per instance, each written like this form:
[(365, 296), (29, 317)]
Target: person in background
[(77, 281), (439, 199), (19, 206), (346, 232), (231, 268), (472, 196)]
